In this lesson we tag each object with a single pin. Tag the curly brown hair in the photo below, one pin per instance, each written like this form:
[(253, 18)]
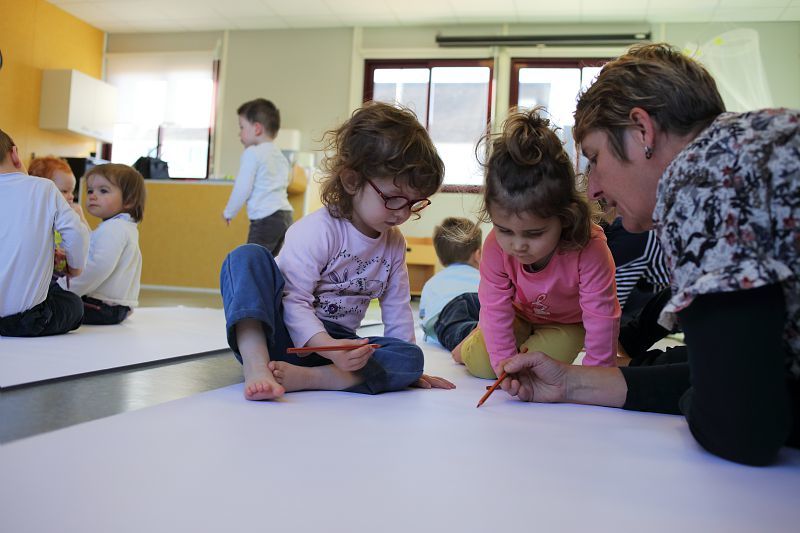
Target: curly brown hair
[(677, 91), (528, 171), (379, 140), (130, 182)]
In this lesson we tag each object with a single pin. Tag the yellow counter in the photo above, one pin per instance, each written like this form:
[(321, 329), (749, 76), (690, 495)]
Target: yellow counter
[(183, 236)]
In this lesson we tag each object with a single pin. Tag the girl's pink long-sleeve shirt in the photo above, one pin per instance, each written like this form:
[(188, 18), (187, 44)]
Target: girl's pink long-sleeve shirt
[(576, 286)]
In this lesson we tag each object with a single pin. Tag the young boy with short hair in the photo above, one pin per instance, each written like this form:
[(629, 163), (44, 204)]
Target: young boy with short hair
[(263, 176), (32, 209), (448, 306)]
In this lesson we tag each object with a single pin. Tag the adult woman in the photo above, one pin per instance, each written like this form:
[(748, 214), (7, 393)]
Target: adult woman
[(722, 193)]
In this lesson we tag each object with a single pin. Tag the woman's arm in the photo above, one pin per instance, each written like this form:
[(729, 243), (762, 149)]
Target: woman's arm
[(738, 407)]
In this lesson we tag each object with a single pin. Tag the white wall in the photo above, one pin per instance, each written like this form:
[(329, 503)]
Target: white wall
[(306, 73)]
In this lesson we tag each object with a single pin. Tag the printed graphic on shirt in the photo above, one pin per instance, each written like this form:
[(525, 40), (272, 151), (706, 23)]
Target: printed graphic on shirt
[(727, 214), (350, 290), (540, 308)]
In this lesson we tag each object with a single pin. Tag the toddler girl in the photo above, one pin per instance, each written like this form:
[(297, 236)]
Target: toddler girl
[(109, 285), (58, 171), (334, 261), (547, 276)]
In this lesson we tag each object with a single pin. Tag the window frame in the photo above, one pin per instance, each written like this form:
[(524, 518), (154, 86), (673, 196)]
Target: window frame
[(370, 65), (518, 63)]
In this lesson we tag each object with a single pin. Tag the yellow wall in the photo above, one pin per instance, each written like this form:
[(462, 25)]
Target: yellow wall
[(36, 35), (183, 237)]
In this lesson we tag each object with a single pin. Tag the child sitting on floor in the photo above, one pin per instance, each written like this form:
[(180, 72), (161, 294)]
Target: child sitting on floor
[(448, 306), (547, 276), (58, 171), (32, 210), (109, 286), (382, 168)]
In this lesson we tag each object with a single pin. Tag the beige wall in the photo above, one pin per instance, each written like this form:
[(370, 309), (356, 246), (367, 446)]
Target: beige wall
[(305, 72), (780, 52)]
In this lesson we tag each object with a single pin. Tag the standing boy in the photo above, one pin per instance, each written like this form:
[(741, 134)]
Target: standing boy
[(263, 176), (31, 210)]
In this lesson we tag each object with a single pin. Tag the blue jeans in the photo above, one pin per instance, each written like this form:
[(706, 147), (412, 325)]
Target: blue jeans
[(252, 288), (457, 319)]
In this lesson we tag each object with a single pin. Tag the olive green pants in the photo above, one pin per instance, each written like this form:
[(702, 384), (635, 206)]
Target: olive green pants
[(560, 341)]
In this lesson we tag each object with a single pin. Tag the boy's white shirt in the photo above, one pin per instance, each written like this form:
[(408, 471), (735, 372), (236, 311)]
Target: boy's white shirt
[(32, 209), (114, 269), (439, 290), (261, 182)]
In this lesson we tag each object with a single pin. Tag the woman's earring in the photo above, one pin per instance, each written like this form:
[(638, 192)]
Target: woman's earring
[(648, 152)]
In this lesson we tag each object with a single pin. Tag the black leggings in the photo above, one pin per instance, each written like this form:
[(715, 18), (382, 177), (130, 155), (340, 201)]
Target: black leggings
[(96, 312), (730, 380), (59, 313)]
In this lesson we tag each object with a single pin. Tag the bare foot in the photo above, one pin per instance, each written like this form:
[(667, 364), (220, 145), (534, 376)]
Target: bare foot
[(260, 383), (328, 377)]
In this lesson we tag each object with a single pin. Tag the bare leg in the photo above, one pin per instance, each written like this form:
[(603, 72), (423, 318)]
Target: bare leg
[(328, 377), (259, 383)]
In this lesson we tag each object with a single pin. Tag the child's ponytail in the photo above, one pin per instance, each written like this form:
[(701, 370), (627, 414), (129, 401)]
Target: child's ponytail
[(528, 171)]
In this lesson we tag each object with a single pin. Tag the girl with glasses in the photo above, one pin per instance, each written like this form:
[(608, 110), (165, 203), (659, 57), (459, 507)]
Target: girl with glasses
[(334, 262)]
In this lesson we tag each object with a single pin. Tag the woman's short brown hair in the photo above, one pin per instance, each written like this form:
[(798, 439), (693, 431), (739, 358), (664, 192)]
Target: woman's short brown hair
[(130, 182), (378, 141), (528, 171), (677, 91)]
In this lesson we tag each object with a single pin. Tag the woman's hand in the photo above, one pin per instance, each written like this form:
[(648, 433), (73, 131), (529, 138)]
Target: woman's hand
[(535, 377)]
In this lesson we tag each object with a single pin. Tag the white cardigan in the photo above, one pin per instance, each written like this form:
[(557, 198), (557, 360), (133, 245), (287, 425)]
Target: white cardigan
[(114, 269)]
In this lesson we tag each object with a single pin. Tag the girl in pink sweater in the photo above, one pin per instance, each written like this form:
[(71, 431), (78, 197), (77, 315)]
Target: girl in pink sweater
[(547, 275)]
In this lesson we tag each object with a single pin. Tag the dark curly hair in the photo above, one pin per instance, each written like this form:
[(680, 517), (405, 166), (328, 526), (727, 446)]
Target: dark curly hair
[(379, 140)]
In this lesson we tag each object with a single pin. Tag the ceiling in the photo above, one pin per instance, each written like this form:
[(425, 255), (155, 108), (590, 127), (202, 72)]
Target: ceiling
[(117, 16)]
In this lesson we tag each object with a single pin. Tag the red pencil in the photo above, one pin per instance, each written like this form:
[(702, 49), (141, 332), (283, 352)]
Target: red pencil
[(312, 349), (492, 388)]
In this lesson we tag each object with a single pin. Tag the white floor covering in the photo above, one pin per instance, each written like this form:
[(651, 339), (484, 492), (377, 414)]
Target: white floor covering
[(150, 334), (417, 460)]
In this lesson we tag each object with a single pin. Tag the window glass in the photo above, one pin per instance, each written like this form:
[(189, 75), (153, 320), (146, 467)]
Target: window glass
[(164, 106), (557, 89), (451, 100)]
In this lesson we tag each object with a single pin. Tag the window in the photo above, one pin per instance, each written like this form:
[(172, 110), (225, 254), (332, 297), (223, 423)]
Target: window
[(554, 84), (451, 99), (165, 107)]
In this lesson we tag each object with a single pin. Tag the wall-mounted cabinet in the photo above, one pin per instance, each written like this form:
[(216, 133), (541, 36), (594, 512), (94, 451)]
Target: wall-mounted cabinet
[(74, 102)]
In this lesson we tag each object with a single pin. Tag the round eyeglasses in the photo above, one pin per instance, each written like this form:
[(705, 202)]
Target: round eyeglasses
[(395, 203)]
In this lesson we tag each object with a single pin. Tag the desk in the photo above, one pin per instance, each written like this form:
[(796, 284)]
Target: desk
[(421, 261)]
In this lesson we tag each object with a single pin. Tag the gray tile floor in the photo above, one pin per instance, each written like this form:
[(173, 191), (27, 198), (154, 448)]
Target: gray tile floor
[(40, 407)]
